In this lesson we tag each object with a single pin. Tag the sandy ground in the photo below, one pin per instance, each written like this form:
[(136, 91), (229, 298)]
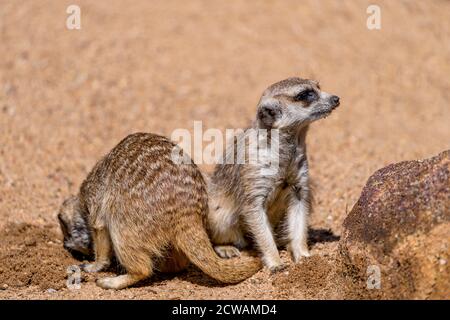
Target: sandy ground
[(68, 96)]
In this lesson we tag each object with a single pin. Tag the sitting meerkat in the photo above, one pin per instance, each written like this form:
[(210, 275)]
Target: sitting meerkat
[(142, 207), (270, 206)]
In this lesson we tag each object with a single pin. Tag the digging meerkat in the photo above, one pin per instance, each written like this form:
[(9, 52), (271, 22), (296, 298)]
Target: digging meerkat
[(148, 211), (270, 206)]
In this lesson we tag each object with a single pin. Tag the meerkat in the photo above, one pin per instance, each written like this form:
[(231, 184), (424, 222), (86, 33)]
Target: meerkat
[(270, 207), (140, 206)]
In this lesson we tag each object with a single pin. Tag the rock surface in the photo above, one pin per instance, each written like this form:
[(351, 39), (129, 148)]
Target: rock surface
[(400, 226)]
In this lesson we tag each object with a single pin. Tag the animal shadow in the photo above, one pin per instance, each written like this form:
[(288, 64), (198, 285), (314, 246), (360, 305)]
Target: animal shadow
[(321, 235)]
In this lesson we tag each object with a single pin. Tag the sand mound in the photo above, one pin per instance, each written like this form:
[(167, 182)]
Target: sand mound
[(33, 255), (313, 278)]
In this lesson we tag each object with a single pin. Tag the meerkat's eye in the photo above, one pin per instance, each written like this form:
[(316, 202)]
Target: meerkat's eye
[(307, 96)]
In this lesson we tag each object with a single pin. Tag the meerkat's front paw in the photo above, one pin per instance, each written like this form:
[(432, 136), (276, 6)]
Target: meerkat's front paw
[(278, 268), (93, 267), (274, 263), (298, 253), (227, 251)]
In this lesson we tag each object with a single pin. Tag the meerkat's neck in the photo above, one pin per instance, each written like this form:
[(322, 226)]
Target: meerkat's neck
[(301, 135), (293, 136)]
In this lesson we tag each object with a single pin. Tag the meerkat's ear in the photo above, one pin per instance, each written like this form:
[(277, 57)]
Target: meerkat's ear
[(64, 224), (66, 214), (269, 112)]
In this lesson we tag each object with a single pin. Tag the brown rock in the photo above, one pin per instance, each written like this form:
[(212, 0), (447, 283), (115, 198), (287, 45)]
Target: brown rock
[(401, 225)]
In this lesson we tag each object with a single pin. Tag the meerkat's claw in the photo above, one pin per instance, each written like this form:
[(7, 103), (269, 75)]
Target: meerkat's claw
[(278, 268), (227, 252), (298, 257), (298, 254), (305, 253)]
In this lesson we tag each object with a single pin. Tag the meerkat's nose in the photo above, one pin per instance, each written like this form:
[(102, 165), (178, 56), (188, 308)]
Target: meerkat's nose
[(335, 100)]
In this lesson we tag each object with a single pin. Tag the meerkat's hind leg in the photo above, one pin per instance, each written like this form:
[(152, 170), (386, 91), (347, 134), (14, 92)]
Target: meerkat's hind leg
[(137, 270), (227, 252), (230, 243), (120, 282), (135, 258), (103, 251)]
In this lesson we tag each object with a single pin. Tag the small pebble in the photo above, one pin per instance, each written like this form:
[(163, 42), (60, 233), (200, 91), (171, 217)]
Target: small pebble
[(30, 242), (442, 261), (51, 290), (4, 286)]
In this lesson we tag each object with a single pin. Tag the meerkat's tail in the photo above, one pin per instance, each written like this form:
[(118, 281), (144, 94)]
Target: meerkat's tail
[(194, 242)]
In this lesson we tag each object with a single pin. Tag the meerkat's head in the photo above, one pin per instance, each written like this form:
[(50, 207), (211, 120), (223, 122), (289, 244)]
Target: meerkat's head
[(294, 102), (77, 237)]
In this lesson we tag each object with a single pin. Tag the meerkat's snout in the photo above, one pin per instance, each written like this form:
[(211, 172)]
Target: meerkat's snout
[(324, 105), (335, 101)]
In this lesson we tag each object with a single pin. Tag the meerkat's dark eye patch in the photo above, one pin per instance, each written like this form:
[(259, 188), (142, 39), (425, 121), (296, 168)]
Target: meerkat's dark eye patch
[(307, 95)]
